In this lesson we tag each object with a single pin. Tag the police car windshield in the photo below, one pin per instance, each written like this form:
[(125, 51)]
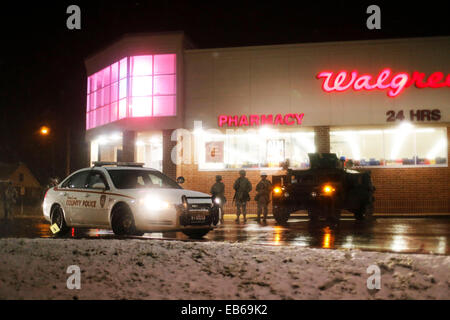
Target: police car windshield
[(140, 179)]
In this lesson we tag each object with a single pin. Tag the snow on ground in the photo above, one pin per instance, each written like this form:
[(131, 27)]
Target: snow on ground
[(159, 269)]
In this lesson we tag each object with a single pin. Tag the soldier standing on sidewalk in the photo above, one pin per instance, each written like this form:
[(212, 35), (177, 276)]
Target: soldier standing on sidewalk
[(263, 190), (218, 192), (242, 187)]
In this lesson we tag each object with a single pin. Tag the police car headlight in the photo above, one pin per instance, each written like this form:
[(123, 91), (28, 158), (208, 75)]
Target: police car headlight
[(217, 201), (153, 203)]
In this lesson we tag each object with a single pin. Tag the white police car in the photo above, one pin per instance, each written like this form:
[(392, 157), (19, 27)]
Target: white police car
[(130, 200)]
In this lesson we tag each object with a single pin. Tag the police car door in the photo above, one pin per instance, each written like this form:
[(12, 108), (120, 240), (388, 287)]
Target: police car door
[(96, 200), (74, 197)]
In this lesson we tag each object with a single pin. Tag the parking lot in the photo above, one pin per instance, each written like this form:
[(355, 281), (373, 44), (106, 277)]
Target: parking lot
[(407, 235)]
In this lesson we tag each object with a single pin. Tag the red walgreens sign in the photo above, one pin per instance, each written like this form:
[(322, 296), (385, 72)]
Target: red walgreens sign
[(385, 80), (259, 120)]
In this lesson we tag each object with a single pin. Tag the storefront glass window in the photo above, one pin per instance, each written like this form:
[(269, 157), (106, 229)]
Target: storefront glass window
[(253, 149), (431, 146), (402, 146), (137, 86), (149, 149)]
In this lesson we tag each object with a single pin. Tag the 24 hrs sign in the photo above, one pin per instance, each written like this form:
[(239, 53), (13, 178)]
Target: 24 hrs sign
[(414, 115)]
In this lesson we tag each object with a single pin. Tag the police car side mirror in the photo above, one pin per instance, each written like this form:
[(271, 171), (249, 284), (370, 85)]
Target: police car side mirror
[(180, 180)]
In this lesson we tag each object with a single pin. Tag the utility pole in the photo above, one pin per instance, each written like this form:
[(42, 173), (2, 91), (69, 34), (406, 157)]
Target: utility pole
[(68, 151)]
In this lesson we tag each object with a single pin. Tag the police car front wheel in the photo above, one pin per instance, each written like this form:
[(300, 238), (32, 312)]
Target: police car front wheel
[(57, 216), (122, 221)]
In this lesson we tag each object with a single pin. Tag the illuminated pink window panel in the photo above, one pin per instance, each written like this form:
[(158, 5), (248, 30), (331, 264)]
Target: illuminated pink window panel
[(123, 89), (164, 84), (98, 98), (114, 112), (97, 117), (140, 107), (114, 72), (102, 116), (114, 91), (106, 77), (137, 86), (92, 83), (89, 120), (123, 71), (106, 114), (107, 95), (165, 63), (92, 97), (164, 106), (141, 66), (122, 108), (141, 86), (92, 119), (98, 80)]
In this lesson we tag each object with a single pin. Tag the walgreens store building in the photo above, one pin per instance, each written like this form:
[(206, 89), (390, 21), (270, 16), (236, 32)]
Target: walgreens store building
[(384, 105)]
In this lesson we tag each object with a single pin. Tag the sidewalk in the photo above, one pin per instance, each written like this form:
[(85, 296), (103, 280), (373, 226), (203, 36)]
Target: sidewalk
[(229, 216)]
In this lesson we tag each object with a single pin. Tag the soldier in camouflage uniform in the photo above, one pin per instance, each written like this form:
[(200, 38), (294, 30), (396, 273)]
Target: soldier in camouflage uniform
[(263, 190), (10, 196), (218, 191), (242, 187)]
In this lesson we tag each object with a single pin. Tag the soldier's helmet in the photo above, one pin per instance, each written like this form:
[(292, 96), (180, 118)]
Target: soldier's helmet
[(263, 174), (242, 172), (218, 178)]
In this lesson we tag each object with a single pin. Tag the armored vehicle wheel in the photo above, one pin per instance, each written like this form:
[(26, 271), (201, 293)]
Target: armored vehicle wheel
[(122, 221), (335, 216), (58, 218), (195, 234), (281, 215), (365, 213)]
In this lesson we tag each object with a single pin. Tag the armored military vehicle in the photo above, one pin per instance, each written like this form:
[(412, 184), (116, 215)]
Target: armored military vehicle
[(323, 190)]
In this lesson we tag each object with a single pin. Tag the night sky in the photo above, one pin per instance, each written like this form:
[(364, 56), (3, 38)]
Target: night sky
[(43, 78)]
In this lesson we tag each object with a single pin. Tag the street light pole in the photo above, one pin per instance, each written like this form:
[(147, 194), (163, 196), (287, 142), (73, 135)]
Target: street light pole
[(45, 131)]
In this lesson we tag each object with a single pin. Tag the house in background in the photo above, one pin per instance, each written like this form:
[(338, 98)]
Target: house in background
[(28, 187)]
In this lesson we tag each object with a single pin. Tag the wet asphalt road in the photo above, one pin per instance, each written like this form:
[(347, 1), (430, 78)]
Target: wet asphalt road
[(409, 235)]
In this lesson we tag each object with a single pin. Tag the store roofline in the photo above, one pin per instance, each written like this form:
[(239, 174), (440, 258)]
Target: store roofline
[(191, 44), (129, 35), (321, 44)]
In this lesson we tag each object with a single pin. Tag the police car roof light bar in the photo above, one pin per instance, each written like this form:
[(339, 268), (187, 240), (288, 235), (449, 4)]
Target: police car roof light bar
[(118, 164)]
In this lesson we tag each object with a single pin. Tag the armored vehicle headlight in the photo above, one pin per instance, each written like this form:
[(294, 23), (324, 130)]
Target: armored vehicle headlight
[(277, 190), (327, 189), (217, 200)]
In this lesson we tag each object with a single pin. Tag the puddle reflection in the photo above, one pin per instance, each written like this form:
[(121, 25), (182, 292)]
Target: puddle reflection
[(328, 238), (394, 235)]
